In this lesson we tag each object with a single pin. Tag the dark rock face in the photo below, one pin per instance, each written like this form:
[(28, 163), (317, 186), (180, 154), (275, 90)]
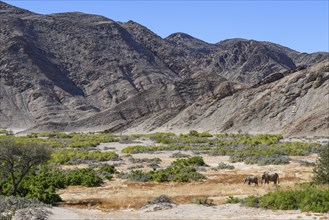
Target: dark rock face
[(76, 71)]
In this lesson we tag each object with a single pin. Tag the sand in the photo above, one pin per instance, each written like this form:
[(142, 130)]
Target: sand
[(188, 211)]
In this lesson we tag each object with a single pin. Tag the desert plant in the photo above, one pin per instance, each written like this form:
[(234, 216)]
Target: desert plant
[(309, 198), (86, 177), (175, 174), (321, 169), (159, 200), (179, 155), (250, 201), (106, 169), (193, 133), (192, 161), (16, 160), (232, 200), (203, 201), (66, 156), (223, 165), (138, 175)]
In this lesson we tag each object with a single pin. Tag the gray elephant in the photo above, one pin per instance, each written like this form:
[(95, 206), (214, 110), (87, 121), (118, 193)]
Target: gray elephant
[(251, 179), (266, 177)]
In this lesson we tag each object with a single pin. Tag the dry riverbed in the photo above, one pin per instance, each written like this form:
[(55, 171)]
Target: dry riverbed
[(124, 199)]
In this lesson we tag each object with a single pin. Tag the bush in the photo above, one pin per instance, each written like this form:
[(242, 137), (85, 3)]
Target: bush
[(223, 165), (47, 195), (285, 200), (307, 199), (232, 200), (203, 201), (159, 200), (138, 175), (275, 160), (179, 155), (67, 156), (85, 177), (250, 201), (175, 174), (42, 184), (193, 161), (145, 160), (193, 133), (321, 169), (107, 169)]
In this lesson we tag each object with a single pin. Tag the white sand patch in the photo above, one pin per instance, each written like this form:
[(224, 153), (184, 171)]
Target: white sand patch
[(189, 211)]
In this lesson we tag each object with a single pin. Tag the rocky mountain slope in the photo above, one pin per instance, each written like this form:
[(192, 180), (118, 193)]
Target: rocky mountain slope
[(74, 71)]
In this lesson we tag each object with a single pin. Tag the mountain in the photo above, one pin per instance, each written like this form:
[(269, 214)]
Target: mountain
[(75, 71)]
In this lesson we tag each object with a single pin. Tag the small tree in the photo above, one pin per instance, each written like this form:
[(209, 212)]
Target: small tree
[(321, 169), (193, 133), (16, 160)]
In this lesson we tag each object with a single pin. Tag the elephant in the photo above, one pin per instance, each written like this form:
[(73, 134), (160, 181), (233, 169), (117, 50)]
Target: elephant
[(266, 177), (251, 179)]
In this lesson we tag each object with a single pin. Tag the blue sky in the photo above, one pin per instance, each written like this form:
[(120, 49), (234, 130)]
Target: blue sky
[(301, 25)]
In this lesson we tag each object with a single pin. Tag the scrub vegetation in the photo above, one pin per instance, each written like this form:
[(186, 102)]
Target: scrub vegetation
[(32, 166)]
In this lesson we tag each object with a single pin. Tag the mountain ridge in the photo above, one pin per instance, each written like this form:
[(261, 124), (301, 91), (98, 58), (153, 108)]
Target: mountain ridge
[(117, 74)]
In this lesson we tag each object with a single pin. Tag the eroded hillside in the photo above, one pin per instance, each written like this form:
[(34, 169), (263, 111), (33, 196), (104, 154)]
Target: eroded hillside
[(75, 71)]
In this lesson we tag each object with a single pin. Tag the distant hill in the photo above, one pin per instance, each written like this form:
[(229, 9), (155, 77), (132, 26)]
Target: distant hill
[(75, 71)]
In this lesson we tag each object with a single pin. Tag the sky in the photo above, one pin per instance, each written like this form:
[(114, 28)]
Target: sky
[(301, 25)]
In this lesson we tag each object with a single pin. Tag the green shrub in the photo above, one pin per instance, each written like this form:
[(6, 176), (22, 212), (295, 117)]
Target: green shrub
[(3, 131), (192, 161), (250, 201), (47, 195), (307, 199), (85, 177), (107, 169), (205, 134), (232, 200), (175, 174), (275, 160), (193, 133), (41, 184), (321, 169), (72, 140), (144, 149), (138, 175), (108, 177), (66, 156), (315, 200), (145, 160), (284, 200)]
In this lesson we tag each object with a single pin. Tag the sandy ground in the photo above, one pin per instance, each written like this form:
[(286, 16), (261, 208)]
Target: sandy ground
[(190, 211)]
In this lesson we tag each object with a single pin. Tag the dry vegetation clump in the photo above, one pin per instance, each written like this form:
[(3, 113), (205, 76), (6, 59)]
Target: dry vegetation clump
[(162, 202), (203, 200), (179, 155), (223, 165)]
